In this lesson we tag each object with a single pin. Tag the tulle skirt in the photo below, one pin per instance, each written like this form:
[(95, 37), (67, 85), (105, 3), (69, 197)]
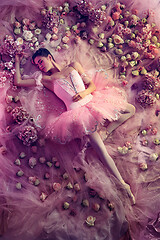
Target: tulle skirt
[(106, 104)]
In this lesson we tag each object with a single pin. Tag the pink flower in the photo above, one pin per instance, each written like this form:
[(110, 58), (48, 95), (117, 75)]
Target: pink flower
[(19, 114), (65, 39), (54, 37), (117, 39), (43, 196), (25, 28), (145, 142), (132, 44), (68, 33), (56, 186), (116, 64), (32, 162), (43, 12), (108, 19), (155, 51), (127, 31), (154, 131), (55, 30), (26, 21), (139, 46), (3, 150), (115, 15), (17, 24), (149, 55), (28, 135), (135, 11), (138, 39), (32, 25)]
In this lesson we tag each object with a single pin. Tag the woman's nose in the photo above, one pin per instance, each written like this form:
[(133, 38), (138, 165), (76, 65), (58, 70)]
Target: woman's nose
[(40, 66)]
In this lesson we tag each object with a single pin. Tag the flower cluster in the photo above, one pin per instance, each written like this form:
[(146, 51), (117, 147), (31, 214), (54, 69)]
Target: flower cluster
[(10, 47), (137, 34), (140, 37), (50, 18), (146, 98), (151, 82), (28, 135), (6, 76), (97, 16), (19, 114), (27, 33)]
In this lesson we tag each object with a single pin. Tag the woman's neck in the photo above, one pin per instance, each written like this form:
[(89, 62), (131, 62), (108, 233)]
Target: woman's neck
[(56, 68)]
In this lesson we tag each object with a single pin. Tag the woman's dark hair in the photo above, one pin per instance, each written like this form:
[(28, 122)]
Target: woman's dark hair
[(41, 52)]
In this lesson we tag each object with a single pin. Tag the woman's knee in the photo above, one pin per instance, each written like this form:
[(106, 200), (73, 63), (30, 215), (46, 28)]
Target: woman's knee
[(131, 109)]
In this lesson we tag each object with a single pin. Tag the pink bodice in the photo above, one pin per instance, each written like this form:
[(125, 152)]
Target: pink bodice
[(66, 88)]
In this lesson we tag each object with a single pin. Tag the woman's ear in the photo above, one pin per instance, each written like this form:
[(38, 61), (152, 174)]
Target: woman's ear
[(50, 57)]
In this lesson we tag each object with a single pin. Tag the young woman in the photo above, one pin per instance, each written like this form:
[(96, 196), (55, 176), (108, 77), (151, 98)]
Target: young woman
[(85, 106)]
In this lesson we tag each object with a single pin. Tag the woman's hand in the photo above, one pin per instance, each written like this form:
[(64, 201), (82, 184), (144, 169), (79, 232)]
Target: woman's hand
[(79, 96), (17, 59)]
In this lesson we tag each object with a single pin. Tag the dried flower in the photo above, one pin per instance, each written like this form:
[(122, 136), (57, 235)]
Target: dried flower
[(43, 196), (57, 186), (19, 114), (145, 98), (153, 157), (28, 135), (50, 19), (143, 166), (90, 221), (27, 35), (151, 82), (32, 162)]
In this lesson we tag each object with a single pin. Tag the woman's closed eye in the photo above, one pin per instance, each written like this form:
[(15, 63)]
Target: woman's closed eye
[(40, 63)]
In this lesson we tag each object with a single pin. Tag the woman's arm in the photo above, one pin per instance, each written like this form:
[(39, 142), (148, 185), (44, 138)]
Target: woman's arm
[(90, 86), (17, 76)]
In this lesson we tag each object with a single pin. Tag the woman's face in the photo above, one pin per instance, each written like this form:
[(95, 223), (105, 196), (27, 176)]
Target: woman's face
[(43, 63)]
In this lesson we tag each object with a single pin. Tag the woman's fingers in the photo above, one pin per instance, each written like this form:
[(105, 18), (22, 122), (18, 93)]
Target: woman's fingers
[(76, 97)]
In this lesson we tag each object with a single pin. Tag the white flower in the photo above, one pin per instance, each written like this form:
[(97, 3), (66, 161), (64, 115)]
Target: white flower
[(27, 35), (37, 31), (32, 162), (153, 157), (143, 166), (117, 39), (37, 44), (19, 41), (34, 39), (90, 221), (48, 36)]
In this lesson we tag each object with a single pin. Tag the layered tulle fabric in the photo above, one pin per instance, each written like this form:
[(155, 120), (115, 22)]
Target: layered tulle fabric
[(85, 118), (63, 192)]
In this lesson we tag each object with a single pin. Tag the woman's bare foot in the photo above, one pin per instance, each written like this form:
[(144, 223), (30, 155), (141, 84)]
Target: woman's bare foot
[(129, 192)]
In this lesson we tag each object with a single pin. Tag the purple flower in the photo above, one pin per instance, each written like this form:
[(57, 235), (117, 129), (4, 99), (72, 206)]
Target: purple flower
[(10, 47), (19, 114), (151, 82), (50, 19), (146, 98), (28, 135), (97, 16)]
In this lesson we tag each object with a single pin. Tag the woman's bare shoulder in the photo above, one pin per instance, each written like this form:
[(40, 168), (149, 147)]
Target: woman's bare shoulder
[(75, 65)]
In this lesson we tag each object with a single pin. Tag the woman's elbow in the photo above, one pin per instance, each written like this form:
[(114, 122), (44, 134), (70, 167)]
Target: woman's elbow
[(93, 86)]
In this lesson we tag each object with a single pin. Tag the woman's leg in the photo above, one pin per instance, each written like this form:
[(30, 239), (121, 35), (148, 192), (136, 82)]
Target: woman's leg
[(106, 159), (128, 113)]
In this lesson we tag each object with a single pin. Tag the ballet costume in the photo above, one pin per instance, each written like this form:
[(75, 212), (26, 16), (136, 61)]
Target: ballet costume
[(82, 117)]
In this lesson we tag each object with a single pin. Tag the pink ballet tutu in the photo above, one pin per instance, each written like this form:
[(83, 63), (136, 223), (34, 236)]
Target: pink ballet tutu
[(106, 104)]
